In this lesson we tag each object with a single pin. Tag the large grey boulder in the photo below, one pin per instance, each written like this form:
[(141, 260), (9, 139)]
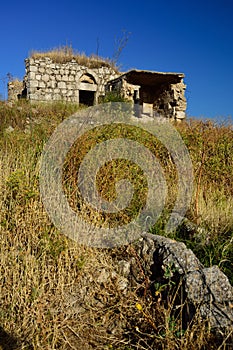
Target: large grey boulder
[(205, 291)]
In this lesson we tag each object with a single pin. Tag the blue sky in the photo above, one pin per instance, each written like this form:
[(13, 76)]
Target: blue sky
[(194, 37)]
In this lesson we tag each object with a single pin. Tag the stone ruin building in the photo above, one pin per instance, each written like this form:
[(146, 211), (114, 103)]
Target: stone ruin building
[(153, 93)]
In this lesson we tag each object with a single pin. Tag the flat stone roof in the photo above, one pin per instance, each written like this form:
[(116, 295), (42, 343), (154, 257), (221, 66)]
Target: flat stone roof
[(150, 78)]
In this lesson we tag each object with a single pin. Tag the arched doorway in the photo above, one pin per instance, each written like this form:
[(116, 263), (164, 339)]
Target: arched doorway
[(87, 89)]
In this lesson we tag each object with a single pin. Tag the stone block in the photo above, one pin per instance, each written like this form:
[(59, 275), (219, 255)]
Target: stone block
[(69, 93), (33, 83), (70, 86), (61, 85), (52, 84), (41, 84), (31, 76), (180, 114), (57, 97), (46, 77), (48, 97), (32, 68), (65, 78)]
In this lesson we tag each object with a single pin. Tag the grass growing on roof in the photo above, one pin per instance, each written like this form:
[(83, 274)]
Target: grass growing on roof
[(65, 54)]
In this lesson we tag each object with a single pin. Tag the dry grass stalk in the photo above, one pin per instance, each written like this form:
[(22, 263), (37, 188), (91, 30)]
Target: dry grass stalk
[(65, 54), (56, 294)]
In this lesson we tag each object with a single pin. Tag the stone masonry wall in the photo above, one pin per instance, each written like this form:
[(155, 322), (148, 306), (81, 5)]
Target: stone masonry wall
[(167, 100), (46, 80), (49, 81), (172, 102)]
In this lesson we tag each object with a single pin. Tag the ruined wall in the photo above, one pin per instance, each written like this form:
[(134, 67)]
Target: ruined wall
[(155, 93), (171, 101), (16, 90), (164, 99), (49, 81), (128, 90)]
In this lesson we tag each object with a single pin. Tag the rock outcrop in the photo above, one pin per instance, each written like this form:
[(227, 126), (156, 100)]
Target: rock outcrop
[(166, 262)]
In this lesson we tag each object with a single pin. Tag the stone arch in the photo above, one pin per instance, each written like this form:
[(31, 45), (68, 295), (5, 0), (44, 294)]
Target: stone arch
[(88, 74), (87, 78), (87, 85)]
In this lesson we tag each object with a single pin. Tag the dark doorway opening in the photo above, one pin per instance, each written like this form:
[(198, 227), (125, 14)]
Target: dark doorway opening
[(86, 97)]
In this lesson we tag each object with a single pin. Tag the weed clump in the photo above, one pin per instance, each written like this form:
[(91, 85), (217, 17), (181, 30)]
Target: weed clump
[(65, 54)]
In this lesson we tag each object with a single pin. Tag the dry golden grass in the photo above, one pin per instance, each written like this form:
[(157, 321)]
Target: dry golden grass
[(65, 54), (57, 294)]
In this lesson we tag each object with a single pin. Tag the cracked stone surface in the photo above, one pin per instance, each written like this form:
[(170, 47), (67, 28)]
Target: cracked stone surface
[(207, 289)]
